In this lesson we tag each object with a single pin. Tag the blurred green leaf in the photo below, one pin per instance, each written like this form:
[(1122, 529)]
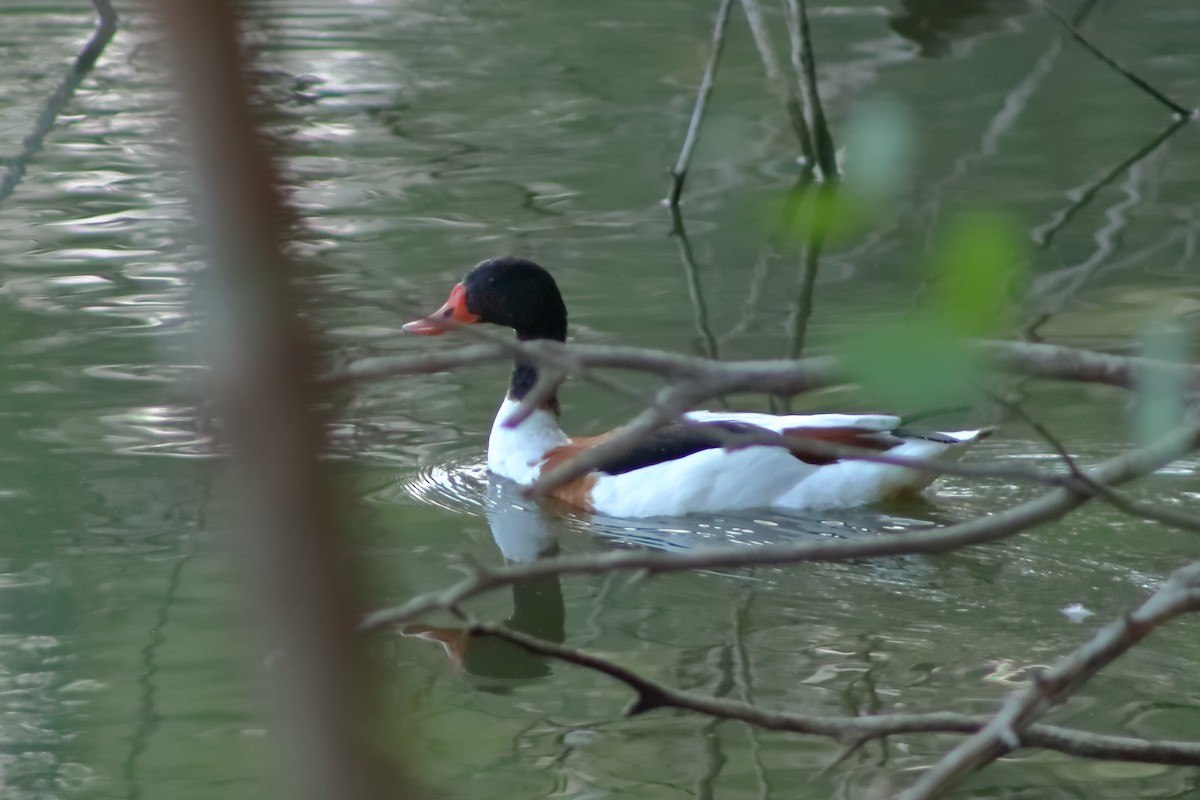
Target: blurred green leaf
[(879, 149), (878, 165), (926, 359), (911, 364), (976, 268)]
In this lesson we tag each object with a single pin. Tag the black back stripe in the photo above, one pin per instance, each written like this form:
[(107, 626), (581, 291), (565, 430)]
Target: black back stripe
[(679, 440)]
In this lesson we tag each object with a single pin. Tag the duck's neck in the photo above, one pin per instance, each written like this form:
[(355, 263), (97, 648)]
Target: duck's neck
[(517, 452), (525, 374)]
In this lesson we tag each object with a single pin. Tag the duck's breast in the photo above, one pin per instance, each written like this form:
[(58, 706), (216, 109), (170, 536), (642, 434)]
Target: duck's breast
[(517, 453)]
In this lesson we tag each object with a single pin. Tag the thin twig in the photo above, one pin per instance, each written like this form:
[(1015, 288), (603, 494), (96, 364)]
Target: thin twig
[(1040, 360), (1015, 103), (783, 87), (1141, 83), (1167, 516), (1179, 595), (691, 271), (679, 172), (1044, 236), (781, 235), (852, 730), (697, 379), (820, 220), (1018, 519), (805, 64)]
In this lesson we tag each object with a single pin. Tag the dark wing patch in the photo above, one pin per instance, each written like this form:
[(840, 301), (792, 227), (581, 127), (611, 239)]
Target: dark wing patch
[(811, 445), (678, 440)]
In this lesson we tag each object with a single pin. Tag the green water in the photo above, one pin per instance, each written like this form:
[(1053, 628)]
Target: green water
[(424, 136)]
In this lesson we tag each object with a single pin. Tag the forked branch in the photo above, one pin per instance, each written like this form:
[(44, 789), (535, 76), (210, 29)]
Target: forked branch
[(652, 695)]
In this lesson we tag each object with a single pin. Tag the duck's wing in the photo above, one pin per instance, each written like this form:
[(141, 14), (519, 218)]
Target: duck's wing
[(880, 423), (707, 430), (678, 440)]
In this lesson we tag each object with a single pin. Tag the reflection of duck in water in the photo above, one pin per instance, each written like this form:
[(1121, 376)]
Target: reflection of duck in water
[(688, 466), (523, 534)]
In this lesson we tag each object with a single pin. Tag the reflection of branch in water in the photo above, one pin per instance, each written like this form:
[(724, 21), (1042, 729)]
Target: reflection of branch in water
[(783, 87), (31, 145), (772, 251), (1083, 195), (805, 64), (714, 755), (1001, 525), (147, 708), (1015, 103), (652, 695), (679, 171), (1050, 293), (814, 242), (695, 291), (1005, 731), (1139, 82), (744, 679), (149, 717)]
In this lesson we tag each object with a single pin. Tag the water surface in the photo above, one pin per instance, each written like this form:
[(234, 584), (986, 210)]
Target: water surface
[(424, 136)]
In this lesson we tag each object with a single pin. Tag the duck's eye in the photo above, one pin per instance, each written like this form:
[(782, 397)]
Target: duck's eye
[(448, 313)]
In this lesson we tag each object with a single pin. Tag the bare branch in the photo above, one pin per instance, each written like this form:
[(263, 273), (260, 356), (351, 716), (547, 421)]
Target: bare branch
[(1050, 506), (852, 731), (1167, 516), (299, 570), (1075, 364), (1179, 595), (805, 65), (774, 377), (679, 172), (691, 272), (782, 86), (814, 242), (1141, 83)]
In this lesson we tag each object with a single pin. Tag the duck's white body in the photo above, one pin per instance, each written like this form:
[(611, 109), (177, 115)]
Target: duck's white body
[(686, 469), (719, 479)]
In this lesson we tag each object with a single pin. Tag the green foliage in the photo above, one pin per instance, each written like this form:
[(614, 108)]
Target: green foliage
[(975, 269), (925, 358), (910, 364)]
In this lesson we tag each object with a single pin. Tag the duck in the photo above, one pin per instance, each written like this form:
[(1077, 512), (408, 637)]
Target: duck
[(688, 466)]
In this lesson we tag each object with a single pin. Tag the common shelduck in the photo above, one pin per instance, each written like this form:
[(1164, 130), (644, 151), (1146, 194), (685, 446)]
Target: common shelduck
[(685, 467)]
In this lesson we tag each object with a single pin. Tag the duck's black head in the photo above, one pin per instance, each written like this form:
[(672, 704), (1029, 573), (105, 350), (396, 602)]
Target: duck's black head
[(512, 292)]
